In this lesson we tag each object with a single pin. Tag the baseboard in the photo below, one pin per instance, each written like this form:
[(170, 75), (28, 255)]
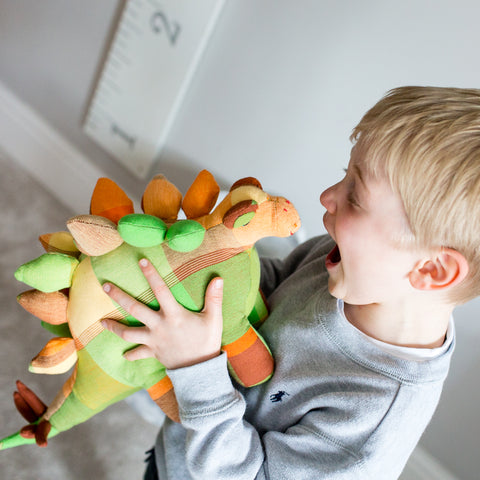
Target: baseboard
[(424, 466), (26, 138)]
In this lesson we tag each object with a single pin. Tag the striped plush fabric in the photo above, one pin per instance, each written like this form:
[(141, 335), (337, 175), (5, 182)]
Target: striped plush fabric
[(106, 245)]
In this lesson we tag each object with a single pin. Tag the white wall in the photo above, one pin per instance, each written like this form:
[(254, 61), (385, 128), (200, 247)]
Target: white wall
[(278, 91)]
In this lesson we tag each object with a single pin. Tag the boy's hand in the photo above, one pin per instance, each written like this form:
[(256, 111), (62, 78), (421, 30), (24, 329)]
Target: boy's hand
[(174, 335)]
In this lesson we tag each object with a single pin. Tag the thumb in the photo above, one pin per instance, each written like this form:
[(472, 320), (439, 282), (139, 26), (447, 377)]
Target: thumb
[(214, 298)]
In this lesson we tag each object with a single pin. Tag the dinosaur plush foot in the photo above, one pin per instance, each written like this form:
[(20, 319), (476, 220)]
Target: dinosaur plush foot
[(32, 408)]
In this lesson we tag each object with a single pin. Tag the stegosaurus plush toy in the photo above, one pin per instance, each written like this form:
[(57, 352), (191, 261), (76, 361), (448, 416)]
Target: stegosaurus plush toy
[(106, 246)]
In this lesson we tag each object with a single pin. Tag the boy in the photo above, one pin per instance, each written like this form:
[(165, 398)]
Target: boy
[(360, 323)]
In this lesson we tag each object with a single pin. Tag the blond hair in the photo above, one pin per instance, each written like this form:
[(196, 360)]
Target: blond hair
[(426, 142)]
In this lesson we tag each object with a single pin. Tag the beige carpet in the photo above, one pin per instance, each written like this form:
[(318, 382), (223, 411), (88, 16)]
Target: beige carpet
[(111, 445)]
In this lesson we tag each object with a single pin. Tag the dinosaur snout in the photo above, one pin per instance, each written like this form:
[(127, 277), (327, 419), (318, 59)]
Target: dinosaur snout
[(286, 216)]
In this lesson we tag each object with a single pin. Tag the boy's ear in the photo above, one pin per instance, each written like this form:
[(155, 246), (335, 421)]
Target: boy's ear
[(445, 268)]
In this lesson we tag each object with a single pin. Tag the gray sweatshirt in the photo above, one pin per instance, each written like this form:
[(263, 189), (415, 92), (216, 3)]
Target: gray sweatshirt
[(337, 408)]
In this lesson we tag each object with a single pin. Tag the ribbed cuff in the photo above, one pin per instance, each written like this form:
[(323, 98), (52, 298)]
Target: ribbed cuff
[(204, 389)]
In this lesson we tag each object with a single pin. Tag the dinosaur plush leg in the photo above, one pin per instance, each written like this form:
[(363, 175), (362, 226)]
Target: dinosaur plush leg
[(163, 395), (249, 359), (32, 408), (259, 311)]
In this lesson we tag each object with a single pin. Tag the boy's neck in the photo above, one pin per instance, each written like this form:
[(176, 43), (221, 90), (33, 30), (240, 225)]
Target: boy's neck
[(401, 325)]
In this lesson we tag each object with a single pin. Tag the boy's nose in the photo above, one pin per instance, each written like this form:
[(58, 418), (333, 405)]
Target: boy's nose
[(327, 199)]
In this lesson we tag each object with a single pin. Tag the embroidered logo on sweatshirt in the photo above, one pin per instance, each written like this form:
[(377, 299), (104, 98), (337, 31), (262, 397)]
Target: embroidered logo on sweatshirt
[(278, 397)]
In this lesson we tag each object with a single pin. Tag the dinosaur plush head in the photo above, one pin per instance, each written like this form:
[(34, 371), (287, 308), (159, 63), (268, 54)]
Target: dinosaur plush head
[(252, 214), (106, 245)]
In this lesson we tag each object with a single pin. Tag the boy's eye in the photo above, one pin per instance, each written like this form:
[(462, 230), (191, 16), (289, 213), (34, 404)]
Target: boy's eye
[(350, 189), (351, 199)]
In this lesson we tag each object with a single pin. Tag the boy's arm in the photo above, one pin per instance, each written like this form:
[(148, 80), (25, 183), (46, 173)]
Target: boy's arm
[(221, 444)]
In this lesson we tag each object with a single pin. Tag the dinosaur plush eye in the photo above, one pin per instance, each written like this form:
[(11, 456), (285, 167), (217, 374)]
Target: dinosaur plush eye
[(240, 214), (243, 220)]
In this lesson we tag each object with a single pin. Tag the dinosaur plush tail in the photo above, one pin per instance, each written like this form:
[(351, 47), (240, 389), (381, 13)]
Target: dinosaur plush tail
[(64, 412), (32, 409), (17, 439)]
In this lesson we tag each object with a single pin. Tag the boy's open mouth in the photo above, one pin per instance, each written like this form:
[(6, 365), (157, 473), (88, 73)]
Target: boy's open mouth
[(334, 257)]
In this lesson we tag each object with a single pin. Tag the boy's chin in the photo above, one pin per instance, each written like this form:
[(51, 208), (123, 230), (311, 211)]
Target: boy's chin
[(336, 288)]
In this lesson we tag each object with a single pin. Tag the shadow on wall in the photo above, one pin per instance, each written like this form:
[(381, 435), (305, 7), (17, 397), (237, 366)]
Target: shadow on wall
[(182, 171), (459, 394)]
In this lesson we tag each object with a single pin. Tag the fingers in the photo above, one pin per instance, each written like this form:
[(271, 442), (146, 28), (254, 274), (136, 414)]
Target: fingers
[(138, 310), (139, 353), (162, 293), (129, 334), (135, 308), (175, 336), (214, 299), (132, 335)]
